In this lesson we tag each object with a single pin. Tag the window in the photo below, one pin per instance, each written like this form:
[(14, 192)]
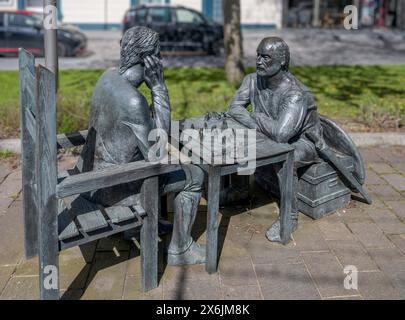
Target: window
[(6, 3), (162, 15), (1, 19), (34, 3), (21, 20), (187, 16), (140, 16)]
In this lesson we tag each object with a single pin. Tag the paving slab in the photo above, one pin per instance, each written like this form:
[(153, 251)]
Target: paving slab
[(387, 221), (133, 290), (263, 251), (250, 292), (107, 277), (399, 241), (286, 282), (309, 238), (5, 170), (369, 235), (73, 276), (381, 167), (83, 254), (373, 178), (327, 273), (351, 252), (400, 167), (355, 214), (27, 267), (398, 280), (377, 286), (355, 297), (385, 192), (11, 235), (334, 230), (21, 288), (398, 207), (392, 155), (192, 290), (9, 190), (371, 155), (5, 275), (389, 260), (237, 271), (396, 180)]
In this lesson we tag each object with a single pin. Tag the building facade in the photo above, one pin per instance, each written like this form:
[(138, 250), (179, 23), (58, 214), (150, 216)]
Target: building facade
[(107, 14)]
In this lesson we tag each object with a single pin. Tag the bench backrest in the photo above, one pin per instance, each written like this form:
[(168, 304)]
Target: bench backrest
[(39, 149)]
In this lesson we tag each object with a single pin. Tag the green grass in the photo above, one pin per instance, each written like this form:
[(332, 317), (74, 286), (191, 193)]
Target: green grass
[(367, 94), (4, 154)]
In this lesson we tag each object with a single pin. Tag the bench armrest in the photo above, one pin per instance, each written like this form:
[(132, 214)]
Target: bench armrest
[(111, 176)]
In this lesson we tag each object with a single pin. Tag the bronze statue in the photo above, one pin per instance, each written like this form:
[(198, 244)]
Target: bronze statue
[(118, 133), (285, 111)]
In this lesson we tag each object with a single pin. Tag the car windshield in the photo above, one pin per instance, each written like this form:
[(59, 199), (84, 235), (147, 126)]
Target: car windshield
[(22, 20), (160, 15)]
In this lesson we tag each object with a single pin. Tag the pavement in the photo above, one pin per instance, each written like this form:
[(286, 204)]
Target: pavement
[(308, 47), (370, 238)]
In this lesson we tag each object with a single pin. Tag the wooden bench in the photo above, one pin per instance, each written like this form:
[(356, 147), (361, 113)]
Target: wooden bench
[(50, 226)]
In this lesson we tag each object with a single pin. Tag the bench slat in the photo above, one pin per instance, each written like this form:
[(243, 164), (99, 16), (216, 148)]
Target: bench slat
[(119, 214), (71, 140), (88, 215)]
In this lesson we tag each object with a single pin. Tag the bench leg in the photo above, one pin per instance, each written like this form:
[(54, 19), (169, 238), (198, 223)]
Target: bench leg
[(286, 198), (49, 251), (149, 234), (214, 182)]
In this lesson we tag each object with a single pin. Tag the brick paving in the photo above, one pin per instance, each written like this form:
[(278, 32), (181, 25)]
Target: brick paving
[(371, 238)]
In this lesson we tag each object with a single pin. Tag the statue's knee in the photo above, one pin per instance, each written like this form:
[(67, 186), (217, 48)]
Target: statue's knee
[(195, 178)]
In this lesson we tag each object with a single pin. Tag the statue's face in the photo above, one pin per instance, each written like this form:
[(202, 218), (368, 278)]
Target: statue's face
[(268, 63)]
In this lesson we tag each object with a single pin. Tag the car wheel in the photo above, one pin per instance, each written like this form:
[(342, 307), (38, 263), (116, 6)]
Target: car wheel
[(62, 50)]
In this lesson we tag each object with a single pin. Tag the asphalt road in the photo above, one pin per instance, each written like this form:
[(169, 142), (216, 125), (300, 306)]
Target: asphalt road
[(308, 47)]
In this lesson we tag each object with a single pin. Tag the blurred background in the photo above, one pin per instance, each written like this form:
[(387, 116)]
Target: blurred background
[(355, 75)]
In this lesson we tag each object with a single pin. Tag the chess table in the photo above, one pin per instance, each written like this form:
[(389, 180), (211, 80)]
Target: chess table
[(267, 152)]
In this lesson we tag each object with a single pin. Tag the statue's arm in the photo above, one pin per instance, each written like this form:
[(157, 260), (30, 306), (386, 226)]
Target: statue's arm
[(154, 79), (161, 107), (240, 102), (290, 121)]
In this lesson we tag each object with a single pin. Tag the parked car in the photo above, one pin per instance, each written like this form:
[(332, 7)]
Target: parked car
[(23, 28), (180, 28)]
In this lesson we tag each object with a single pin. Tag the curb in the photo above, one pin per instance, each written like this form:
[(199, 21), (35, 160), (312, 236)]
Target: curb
[(360, 139)]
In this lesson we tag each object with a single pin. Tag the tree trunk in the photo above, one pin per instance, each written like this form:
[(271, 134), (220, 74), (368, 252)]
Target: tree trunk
[(400, 19), (233, 42)]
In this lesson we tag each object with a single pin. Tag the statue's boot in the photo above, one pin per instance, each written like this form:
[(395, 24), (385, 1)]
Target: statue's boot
[(183, 250), (273, 233)]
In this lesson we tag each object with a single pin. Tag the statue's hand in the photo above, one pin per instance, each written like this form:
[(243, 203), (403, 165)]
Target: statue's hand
[(154, 72)]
